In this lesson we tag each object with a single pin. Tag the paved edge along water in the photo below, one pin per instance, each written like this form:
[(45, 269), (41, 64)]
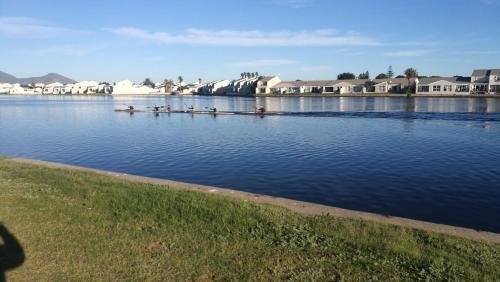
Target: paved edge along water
[(301, 207)]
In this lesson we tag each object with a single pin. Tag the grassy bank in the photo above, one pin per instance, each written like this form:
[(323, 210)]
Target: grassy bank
[(76, 225)]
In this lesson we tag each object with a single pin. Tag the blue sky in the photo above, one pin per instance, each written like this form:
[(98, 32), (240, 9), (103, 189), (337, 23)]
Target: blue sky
[(298, 39)]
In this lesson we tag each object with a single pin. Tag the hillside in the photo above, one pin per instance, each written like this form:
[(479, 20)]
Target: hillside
[(7, 78), (48, 78)]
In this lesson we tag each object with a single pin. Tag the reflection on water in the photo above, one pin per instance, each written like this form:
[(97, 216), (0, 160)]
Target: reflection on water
[(287, 104), (380, 104)]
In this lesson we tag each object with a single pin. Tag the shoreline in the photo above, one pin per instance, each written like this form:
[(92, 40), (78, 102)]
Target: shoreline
[(304, 208), (384, 96), (304, 95)]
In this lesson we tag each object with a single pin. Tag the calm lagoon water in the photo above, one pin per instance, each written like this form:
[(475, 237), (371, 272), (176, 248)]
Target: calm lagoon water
[(430, 159)]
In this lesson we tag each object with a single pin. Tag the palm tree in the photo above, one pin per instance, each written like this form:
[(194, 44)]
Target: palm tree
[(242, 75), (168, 85), (409, 74), (181, 79), (390, 73), (256, 74), (199, 80)]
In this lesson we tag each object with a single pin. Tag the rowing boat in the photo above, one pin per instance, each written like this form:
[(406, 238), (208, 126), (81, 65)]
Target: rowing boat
[(130, 111), (198, 112)]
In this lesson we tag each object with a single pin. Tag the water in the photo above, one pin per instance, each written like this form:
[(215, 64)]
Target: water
[(430, 159)]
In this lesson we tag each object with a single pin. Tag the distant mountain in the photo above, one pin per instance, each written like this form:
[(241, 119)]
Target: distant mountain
[(7, 78), (48, 78)]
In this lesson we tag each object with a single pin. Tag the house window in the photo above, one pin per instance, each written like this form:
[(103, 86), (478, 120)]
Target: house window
[(481, 87), (316, 89), (436, 88), (462, 88), (423, 88), (447, 88)]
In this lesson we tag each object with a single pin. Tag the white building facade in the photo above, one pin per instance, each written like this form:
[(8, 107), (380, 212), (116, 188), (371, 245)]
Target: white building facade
[(485, 81), (265, 83), (214, 88), (444, 86), (127, 87)]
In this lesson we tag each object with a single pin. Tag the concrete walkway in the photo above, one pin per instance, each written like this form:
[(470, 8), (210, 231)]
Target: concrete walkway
[(293, 205)]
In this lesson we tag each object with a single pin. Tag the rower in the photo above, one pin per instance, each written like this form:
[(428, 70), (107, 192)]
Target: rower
[(156, 108), (168, 108), (130, 108), (214, 109), (192, 109), (260, 110)]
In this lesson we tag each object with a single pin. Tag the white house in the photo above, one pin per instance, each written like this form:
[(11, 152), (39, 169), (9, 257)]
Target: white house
[(299, 86), (320, 86), (214, 87), (85, 87), (59, 90), (265, 83), (242, 86), (391, 85), (67, 89), (190, 89), (486, 80), (349, 86), (5, 88), (104, 88), (160, 88), (52, 88), (127, 87), (178, 86), (444, 85), (17, 89)]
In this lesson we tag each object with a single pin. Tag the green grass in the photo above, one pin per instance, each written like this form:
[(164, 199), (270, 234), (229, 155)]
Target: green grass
[(83, 226)]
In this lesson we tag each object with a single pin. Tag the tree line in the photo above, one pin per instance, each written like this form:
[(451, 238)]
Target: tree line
[(168, 83), (409, 72), (249, 74)]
